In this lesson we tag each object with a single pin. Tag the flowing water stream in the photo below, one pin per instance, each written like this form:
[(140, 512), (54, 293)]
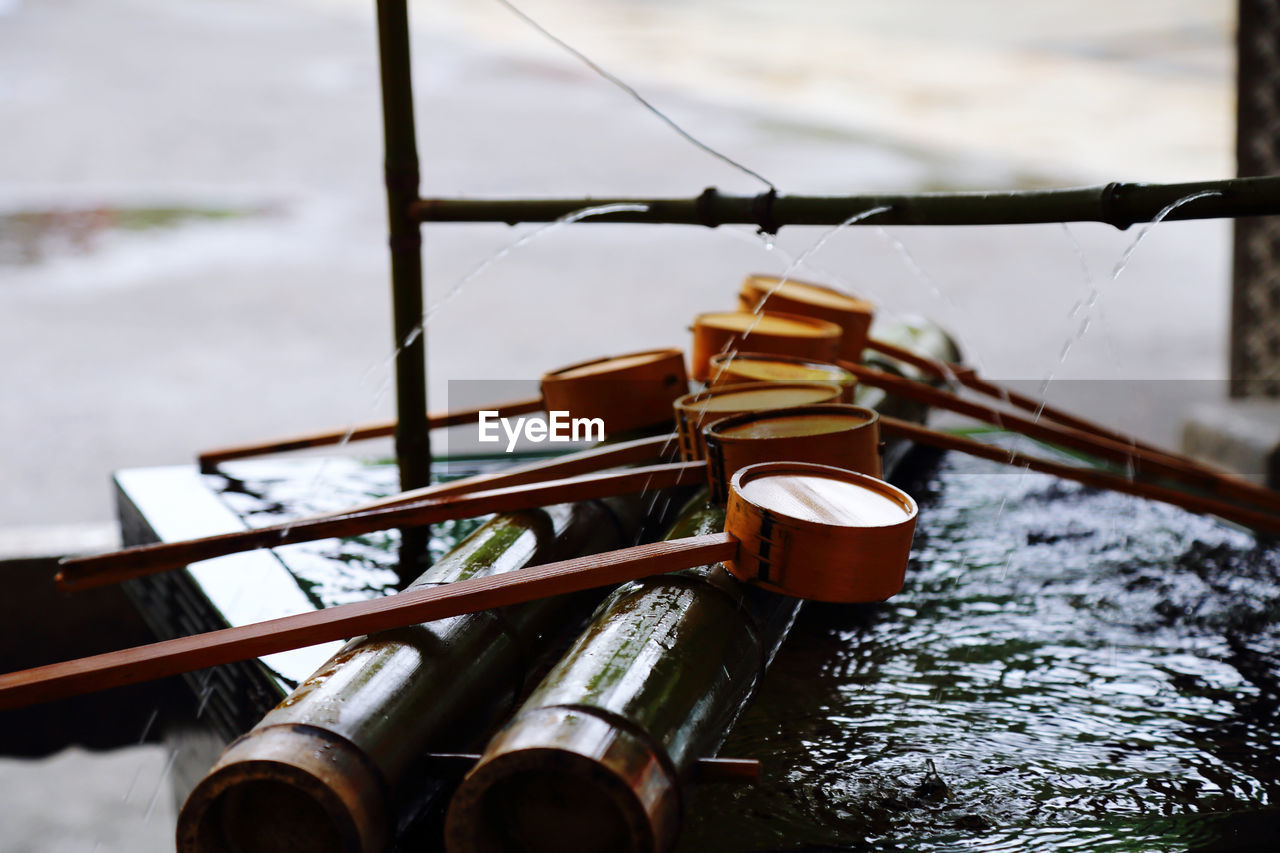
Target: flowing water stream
[(1086, 671)]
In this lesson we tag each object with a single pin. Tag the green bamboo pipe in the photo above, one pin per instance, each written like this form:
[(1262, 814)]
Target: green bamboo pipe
[(598, 756), (327, 768)]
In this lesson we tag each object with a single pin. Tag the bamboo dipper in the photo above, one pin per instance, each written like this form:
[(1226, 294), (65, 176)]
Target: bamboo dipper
[(627, 392), (811, 531)]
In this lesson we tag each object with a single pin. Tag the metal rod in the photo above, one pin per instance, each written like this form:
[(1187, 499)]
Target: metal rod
[(1117, 204), (413, 438)]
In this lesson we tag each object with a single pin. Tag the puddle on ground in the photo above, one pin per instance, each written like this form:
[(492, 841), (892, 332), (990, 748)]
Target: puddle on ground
[(1085, 670), (31, 236)]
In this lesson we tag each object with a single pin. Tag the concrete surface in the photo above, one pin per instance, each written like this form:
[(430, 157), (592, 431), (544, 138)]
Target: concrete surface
[(128, 348)]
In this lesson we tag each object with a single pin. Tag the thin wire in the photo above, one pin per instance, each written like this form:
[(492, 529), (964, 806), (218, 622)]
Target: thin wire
[(640, 99)]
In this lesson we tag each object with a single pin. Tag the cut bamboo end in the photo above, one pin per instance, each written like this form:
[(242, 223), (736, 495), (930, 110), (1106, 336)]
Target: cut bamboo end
[(286, 788), (698, 410), (835, 434), (563, 779), (626, 392), (818, 532), (736, 368), (790, 296), (765, 331)]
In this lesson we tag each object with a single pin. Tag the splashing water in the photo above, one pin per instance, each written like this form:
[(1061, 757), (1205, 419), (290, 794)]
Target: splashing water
[(794, 264), (922, 276), (1090, 306), (385, 366), (567, 219), (799, 260), (1091, 302), (1156, 220)]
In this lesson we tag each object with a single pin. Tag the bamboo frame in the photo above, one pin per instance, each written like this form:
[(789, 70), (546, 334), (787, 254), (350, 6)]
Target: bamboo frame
[(1117, 204), (413, 436)]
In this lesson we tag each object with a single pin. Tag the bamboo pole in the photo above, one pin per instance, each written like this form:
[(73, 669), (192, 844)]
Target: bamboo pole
[(603, 745), (1117, 204), (413, 437), (706, 770)]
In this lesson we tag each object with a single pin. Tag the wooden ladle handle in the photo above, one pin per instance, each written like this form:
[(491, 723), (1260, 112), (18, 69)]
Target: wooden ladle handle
[(101, 569), (423, 604)]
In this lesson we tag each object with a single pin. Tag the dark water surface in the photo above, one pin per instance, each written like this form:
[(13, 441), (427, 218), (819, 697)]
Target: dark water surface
[(1085, 671)]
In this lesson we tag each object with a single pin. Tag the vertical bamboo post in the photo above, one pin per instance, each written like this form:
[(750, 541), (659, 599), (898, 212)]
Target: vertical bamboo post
[(413, 441)]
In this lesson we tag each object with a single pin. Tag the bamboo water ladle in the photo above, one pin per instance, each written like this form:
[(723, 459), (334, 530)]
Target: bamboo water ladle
[(526, 489), (848, 436), (812, 531), (626, 391)]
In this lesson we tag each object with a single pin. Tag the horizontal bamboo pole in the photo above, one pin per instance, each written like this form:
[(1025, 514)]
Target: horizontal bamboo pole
[(1143, 461), (1255, 519), (210, 459), (423, 604), (1117, 204), (102, 569)]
